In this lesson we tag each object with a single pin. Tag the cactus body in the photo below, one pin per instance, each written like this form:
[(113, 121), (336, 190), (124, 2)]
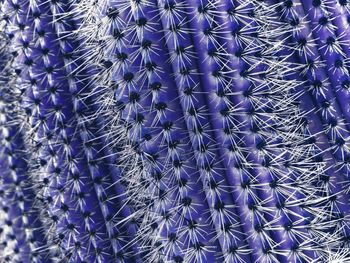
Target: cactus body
[(174, 131)]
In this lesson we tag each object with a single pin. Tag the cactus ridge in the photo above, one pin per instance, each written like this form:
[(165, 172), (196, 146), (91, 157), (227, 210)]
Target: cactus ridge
[(21, 232), (100, 165)]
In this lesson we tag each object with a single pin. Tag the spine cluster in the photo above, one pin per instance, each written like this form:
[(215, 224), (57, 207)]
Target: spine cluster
[(174, 131)]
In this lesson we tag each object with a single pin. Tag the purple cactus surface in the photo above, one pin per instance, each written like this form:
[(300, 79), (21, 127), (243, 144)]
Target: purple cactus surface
[(174, 131)]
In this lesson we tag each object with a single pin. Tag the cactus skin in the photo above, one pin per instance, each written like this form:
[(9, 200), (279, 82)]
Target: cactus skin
[(175, 131)]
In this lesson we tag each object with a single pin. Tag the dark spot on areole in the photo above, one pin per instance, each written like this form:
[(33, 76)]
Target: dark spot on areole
[(288, 3), (343, 2), (112, 12), (338, 63), (330, 40), (128, 77), (182, 182), (139, 118), (302, 42), (323, 21), (177, 164), (316, 3), (146, 44), (186, 201), (155, 86), (169, 6), (294, 22)]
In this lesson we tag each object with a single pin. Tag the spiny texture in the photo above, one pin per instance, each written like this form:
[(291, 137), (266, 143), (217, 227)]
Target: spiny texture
[(174, 131), (21, 232), (75, 188)]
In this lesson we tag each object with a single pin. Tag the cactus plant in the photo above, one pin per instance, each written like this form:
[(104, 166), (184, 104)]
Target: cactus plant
[(174, 131)]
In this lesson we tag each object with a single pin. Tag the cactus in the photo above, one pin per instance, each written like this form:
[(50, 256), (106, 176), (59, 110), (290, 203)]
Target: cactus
[(174, 131)]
